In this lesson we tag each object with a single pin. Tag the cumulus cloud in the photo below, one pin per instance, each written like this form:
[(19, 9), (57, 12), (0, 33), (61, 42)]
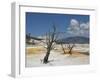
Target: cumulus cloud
[(74, 24), (78, 29), (84, 26)]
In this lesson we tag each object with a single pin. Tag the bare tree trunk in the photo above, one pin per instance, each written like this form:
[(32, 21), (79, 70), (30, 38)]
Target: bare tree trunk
[(70, 51), (46, 57), (63, 48), (47, 54), (50, 39), (70, 48)]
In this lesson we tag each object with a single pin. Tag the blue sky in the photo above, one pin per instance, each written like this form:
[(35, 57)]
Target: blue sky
[(39, 23)]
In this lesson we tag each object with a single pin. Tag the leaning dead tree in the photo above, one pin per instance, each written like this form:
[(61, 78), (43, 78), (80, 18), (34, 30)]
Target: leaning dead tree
[(68, 47), (50, 42)]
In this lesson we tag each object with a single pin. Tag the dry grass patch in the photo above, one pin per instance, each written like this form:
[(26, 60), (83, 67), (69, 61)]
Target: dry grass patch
[(77, 54), (34, 50)]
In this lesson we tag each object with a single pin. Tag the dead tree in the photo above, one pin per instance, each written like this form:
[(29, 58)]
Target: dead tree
[(69, 47), (63, 48), (50, 40)]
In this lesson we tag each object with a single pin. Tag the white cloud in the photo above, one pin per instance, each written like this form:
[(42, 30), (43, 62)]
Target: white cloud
[(84, 26), (74, 24), (78, 29)]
